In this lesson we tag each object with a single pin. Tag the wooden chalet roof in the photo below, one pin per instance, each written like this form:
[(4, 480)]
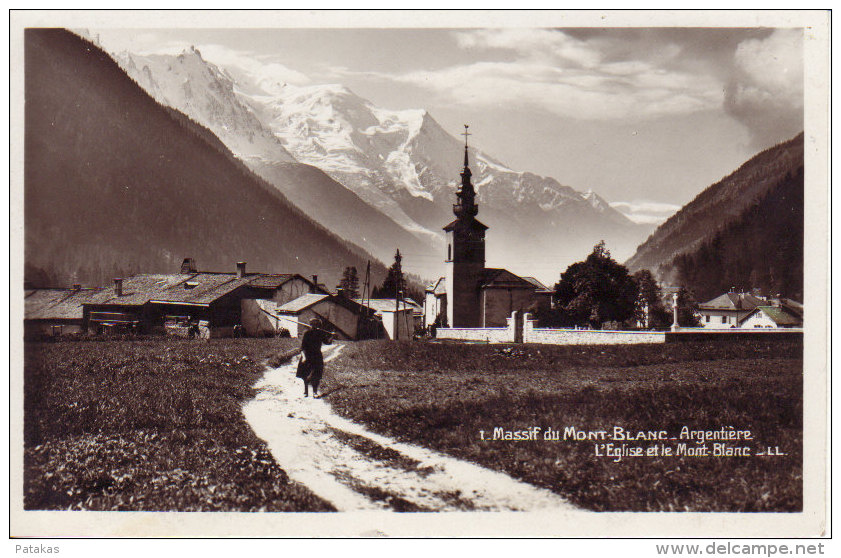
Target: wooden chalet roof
[(733, 301), (272, 280), (380, 305), (56, 304), (187, 288), (301, 303)]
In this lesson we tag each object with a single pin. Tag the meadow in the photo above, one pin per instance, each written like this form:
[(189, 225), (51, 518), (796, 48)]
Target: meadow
[(156, 423), (150, 424), (444, 395)]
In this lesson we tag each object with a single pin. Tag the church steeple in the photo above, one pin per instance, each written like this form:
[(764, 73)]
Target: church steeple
[(465, 254), (466, 207)]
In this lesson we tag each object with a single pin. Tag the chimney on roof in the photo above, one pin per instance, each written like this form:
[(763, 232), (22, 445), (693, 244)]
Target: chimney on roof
[(240, 269), (77, 287), (315, 283), (188, 266), (118, 286)]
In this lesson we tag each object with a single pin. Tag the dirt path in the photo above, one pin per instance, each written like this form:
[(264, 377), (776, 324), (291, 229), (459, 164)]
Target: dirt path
[(355, 469)]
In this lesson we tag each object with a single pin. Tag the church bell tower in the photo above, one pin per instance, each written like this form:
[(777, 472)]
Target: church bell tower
[(465, 254)]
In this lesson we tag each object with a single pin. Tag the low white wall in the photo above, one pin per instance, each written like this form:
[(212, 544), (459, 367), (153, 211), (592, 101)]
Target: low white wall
[(547, 336), (486, 334)]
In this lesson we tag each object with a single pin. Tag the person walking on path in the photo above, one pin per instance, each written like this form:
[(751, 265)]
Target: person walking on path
[(314, 361)]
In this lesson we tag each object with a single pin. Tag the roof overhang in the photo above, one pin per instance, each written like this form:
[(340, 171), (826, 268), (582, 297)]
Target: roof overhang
[(202, 304)]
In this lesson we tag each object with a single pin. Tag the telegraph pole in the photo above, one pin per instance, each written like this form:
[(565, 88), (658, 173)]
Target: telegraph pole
[(398, 291)]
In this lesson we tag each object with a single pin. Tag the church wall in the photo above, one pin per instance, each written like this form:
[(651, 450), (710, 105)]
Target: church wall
[(505, 334), (467, 312), (497, 304)]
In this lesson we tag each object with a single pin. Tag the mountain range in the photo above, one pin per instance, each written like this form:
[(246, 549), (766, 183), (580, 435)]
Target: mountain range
[(116, 183), (381, 179), (743, 232)]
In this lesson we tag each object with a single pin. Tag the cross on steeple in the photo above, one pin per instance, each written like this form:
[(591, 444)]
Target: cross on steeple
[(466, 206), (465, 134)]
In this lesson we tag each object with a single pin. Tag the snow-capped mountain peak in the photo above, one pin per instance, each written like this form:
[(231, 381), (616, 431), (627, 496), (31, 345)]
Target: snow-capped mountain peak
[(402, 163), (207, 94)]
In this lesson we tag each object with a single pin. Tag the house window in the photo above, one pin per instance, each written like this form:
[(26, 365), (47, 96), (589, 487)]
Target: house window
[(708, 318), (724, 319)]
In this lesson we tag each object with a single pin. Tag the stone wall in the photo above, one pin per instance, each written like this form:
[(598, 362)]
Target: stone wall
[(686, 335), (548, 336), (481, 334)]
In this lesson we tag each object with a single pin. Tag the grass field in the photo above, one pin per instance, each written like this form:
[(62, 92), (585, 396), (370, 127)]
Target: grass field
[(442, 395), (152, 424)]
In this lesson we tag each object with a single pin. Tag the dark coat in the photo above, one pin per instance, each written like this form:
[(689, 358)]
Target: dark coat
[(311, 347)]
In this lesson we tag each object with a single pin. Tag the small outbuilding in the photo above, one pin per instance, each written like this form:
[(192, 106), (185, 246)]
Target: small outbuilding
[(340, 315), (55, 312)]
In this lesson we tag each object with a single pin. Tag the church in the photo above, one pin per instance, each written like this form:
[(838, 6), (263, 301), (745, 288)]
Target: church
[(471, 295)]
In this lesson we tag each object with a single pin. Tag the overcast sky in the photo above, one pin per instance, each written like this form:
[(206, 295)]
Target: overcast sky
[(647, 118)]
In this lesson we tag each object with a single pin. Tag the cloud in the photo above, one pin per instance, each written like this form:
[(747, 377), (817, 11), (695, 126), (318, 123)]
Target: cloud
[(765, 92), (532, 43), (576, 93), (646, 212), (548, 70)]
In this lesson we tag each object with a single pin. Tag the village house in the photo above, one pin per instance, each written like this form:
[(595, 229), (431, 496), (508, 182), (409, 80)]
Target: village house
[(207, 304), (346, 318), (780, 313), (748, 310), (728, 310), (54, 312), (435, 303), (471, 295), (398, 321)]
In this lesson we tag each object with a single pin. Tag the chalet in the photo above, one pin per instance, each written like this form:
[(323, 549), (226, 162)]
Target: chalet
[(54, 312), (398, 321), (341, 315), (728, 310), (208, 304), (781, 313)]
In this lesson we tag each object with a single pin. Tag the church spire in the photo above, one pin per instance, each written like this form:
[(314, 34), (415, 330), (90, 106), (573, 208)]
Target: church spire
[(465, 134), (466, 207)]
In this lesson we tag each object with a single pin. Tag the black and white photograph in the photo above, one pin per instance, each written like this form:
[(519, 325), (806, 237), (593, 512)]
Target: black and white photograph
[(436, 273)]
